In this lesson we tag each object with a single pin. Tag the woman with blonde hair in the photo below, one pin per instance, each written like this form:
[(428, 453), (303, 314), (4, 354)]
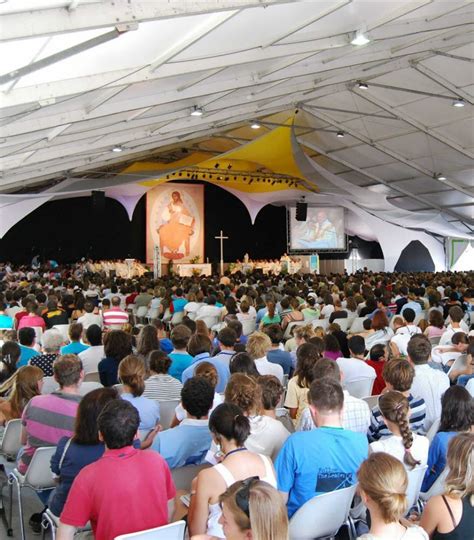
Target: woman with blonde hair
[(131, 373), (408, 447), (383, 483), (253, 509), (301, 334), (267, 434), (27, 383), (451, 516)]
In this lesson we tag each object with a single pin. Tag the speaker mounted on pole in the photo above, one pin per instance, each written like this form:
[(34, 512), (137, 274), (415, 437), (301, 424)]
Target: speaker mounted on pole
[(301, 211)]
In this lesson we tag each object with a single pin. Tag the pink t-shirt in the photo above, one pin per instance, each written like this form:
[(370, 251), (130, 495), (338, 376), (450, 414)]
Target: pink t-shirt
[(434, 331), (31, 320), (125, 491)]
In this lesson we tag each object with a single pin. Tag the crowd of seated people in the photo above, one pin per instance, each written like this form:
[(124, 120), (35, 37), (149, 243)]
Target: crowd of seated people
[(276, 388)]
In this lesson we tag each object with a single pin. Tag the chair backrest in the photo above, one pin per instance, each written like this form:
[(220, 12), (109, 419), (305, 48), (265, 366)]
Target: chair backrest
[(371, 401), (433, 429), (419, 317), (88, 386), (183, 476), (92, 376), (435, 340), (49, 385), (167, 409), (39, 475), (63, 329), (38, 333), (248, 326), (323, 323), (361, 388), (141, 311), (173, 531), (343, 324), (210, 321), (438, 488), (11, 442), (289, 329), (322, 515), (459, 364), (357, 325), (177, 317), (415, 479)]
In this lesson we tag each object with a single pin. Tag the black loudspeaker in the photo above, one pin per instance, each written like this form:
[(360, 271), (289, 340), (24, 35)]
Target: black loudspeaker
[(98, 201), (301, 211)]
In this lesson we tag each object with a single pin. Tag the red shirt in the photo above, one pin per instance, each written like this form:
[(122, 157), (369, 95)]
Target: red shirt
[(379, 383), (125, 491)]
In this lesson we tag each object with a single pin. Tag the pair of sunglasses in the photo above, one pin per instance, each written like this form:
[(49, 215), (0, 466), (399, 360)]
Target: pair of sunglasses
[(242, 496)]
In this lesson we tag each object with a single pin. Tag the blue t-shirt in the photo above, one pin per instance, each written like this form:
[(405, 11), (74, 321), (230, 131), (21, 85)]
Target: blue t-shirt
[(415, 306), (223, 372), (166, 345), (148, 410), (179, 362), (178, 304), (75, 347), (282, 358), (26, 354), (437, 457), (319, 461), (186, 444), (6, 321)]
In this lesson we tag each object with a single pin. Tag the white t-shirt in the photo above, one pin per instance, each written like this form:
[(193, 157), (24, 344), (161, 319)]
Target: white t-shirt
[(327, 310), (264, 367), (91, 357), (267, 436), (88, 319), (355, 370), (394, 446)]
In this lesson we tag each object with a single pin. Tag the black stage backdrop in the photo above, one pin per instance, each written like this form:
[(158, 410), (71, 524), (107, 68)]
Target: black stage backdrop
[(69, 229)]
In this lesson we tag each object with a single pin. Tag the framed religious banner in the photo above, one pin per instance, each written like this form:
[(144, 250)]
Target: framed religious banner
[(175, 222)]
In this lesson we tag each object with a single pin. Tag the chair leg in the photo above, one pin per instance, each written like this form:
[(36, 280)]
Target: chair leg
[(52, 527), (20, 511)]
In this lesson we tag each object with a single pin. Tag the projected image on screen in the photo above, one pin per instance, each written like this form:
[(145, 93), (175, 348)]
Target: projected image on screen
[(323, 229)]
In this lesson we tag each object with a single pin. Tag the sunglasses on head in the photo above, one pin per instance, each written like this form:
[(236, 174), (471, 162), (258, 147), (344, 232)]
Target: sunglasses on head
[(242, 496)]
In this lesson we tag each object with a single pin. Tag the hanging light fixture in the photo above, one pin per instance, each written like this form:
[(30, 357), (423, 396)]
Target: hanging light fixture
[(459, 102), (196, 111), (359, 38), (117, 148), (362, 85), (440, 176), (340, 134), (255, 125)]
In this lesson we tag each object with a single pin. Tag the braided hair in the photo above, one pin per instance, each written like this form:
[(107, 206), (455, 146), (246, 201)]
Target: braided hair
[(395, 408)]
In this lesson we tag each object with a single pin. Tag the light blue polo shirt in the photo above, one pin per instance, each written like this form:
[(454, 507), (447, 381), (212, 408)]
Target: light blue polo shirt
[(26, 354), (186, 444), (148, 410), (223, 372), (339, 455), (179, 362), (75, 347)]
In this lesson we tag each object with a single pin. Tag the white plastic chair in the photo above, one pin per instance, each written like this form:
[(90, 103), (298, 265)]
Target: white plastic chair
[(38, 477), (459, 364), (38, 333), (323, 323), (88, 386), (49, 385), (248, 326), (357, 325), (433, 430), (289, 329), (183, 476), (210, 321), (11, 442), (177, 318), (361, 388), (323, 515), (419, 317), (415, 479), (167, 409), (435, 340), (173, 531), (438, 488), (51, 522), (63, 329), (92, 376), (371, 400), (343, 324)]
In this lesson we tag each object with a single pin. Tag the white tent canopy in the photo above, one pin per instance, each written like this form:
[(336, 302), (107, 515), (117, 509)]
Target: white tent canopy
[(84, 77)]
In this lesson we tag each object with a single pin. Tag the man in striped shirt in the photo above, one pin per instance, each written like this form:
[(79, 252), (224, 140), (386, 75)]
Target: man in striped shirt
[(49, 417), (398, 375), (115, 317)]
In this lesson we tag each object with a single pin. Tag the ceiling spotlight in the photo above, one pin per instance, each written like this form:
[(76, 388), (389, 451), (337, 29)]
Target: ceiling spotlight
[(359, 39), (459, 102), (362, 85), (340, 134), (117, 149), (196, 111), (255, 125), (440, 176)]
